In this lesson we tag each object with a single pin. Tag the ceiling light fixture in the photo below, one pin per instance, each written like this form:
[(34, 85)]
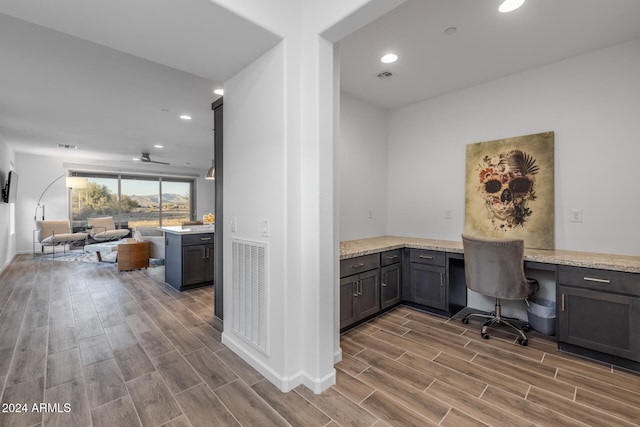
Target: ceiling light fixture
[(159, 146), (510, 5), (185, 117), (219, 92), (389, 58)]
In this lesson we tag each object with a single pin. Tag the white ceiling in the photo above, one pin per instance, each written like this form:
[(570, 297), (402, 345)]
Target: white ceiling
[(487, 45), (100, 74)]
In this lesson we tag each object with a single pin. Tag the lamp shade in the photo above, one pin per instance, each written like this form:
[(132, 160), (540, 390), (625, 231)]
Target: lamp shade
[(75, 182), (211, 173)]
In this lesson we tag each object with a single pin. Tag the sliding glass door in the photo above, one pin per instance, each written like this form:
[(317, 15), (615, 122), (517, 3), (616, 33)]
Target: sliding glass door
[(134, 201)]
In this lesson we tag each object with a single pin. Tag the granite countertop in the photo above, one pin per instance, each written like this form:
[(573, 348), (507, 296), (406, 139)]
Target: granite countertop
[(626, 263), (191, 229)]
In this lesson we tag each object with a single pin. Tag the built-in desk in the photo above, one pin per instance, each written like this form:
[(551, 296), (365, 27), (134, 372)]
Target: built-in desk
[(597, 295)]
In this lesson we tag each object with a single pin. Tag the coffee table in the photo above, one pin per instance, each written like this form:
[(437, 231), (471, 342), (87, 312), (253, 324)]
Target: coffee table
[(100, 248)]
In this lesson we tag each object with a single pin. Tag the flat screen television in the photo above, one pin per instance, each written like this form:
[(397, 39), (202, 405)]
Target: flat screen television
[(10, 188)]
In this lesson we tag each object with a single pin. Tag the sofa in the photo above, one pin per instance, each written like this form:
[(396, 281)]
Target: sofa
[(155, 238)]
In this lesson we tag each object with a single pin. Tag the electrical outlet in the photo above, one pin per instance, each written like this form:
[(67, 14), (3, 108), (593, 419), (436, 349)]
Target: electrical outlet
[(576, 215), (370, 214), (448, 213)]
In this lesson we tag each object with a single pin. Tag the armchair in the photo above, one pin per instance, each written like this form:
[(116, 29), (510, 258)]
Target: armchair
[(55, 233), (155, 238), (104, 229)]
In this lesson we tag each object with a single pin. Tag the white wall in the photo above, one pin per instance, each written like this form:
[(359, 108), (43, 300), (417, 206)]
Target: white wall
[(590, 102), (37, 172), (7, 237), (363, 169)]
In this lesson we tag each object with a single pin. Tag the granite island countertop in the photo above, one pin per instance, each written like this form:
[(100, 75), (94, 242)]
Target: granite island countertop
[(191, 229), (626, 263)]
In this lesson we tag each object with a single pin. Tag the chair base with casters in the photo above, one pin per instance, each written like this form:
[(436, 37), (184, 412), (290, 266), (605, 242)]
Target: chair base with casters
[(496, 318), (494, 267)]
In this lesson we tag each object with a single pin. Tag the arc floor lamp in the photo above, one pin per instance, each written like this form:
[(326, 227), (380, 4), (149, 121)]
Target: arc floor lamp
[(71, 182)]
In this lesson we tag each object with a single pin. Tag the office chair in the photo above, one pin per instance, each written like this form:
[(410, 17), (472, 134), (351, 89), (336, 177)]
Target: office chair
[(495, 267)]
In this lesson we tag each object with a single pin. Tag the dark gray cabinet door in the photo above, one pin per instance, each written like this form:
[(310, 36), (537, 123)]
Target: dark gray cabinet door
[(600, 321), (193, 262), (390, 285), (427, 285), (368, 301), (348, 292)]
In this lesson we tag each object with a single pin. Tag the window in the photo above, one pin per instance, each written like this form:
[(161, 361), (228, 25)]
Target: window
[(134, 200)]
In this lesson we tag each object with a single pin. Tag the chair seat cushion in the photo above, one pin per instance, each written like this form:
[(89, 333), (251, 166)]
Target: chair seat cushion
[(110, 234), (63, 238)]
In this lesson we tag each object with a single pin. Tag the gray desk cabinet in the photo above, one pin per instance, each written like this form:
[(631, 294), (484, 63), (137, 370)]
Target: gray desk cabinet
[(390, 278), (360, 292), (189, 260), (426, 284), (599, 310)]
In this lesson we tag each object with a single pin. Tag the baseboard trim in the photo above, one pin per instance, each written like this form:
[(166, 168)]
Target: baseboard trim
[(284, 384)]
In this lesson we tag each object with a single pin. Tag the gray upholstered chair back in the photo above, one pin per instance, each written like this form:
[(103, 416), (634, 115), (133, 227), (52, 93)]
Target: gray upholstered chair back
[(495, 267)]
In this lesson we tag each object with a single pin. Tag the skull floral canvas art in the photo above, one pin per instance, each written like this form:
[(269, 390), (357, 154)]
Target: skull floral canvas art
[(509, 189)]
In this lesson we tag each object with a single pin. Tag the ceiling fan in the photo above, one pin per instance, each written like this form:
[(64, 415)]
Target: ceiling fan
[(145, 158)]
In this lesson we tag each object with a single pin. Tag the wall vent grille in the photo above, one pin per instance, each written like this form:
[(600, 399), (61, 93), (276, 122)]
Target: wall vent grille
[(249, 318)]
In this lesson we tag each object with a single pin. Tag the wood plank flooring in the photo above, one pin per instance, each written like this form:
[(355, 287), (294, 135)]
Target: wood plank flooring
[(123, 349)]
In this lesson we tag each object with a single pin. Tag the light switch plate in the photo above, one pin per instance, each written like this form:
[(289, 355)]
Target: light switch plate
[(576, 215), (265, 228)]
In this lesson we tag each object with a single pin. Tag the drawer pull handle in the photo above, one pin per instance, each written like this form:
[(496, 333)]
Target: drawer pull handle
[(595, 279), (426, 257), (357, 265), (205, 238), (392, 257)]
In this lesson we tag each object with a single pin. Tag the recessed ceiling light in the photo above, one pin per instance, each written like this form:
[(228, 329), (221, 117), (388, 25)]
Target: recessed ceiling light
[(450, 31), (185, 117), (510, 5), (389, 58), (219, 92), (159, 146), (136, 159)]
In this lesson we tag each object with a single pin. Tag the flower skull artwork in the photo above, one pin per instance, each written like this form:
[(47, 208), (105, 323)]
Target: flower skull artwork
[(507, 184)]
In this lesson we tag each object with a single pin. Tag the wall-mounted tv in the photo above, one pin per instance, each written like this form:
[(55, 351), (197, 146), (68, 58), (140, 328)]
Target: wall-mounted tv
[(10, 188)]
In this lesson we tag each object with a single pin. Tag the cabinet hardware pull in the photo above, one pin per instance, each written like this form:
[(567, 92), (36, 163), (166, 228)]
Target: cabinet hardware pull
[(355, 292), (360, 288), (384, 280), (204, 253), (426, 257), (205, 238), (562, 303), (441, 280), (392, 257), (357, 265), (594, 279)]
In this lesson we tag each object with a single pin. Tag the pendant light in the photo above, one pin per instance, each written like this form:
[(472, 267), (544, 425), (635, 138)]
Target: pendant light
[(211, 173)]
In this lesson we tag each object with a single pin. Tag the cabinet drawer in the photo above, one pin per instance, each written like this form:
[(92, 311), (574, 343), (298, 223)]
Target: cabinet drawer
[(197, 239), (359, 264), (603, 280), (390, 257), (424, 256)]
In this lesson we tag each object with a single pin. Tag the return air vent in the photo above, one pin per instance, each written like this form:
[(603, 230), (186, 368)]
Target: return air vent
[(384, 75), (249, 287), (67, 146)]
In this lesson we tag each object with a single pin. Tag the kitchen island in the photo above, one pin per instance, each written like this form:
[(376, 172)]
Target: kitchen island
[(189, 256)]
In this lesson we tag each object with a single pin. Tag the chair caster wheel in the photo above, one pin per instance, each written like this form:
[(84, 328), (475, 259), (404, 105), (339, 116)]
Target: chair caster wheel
[(485, 336), (523, 342), (465, 320), (526, 328)]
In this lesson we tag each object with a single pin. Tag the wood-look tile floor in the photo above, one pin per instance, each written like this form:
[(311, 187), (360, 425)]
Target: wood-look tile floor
[(123, 349)]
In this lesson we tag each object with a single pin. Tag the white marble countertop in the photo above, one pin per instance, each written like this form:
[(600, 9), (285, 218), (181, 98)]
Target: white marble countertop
[(191, 229), (626, 263)]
